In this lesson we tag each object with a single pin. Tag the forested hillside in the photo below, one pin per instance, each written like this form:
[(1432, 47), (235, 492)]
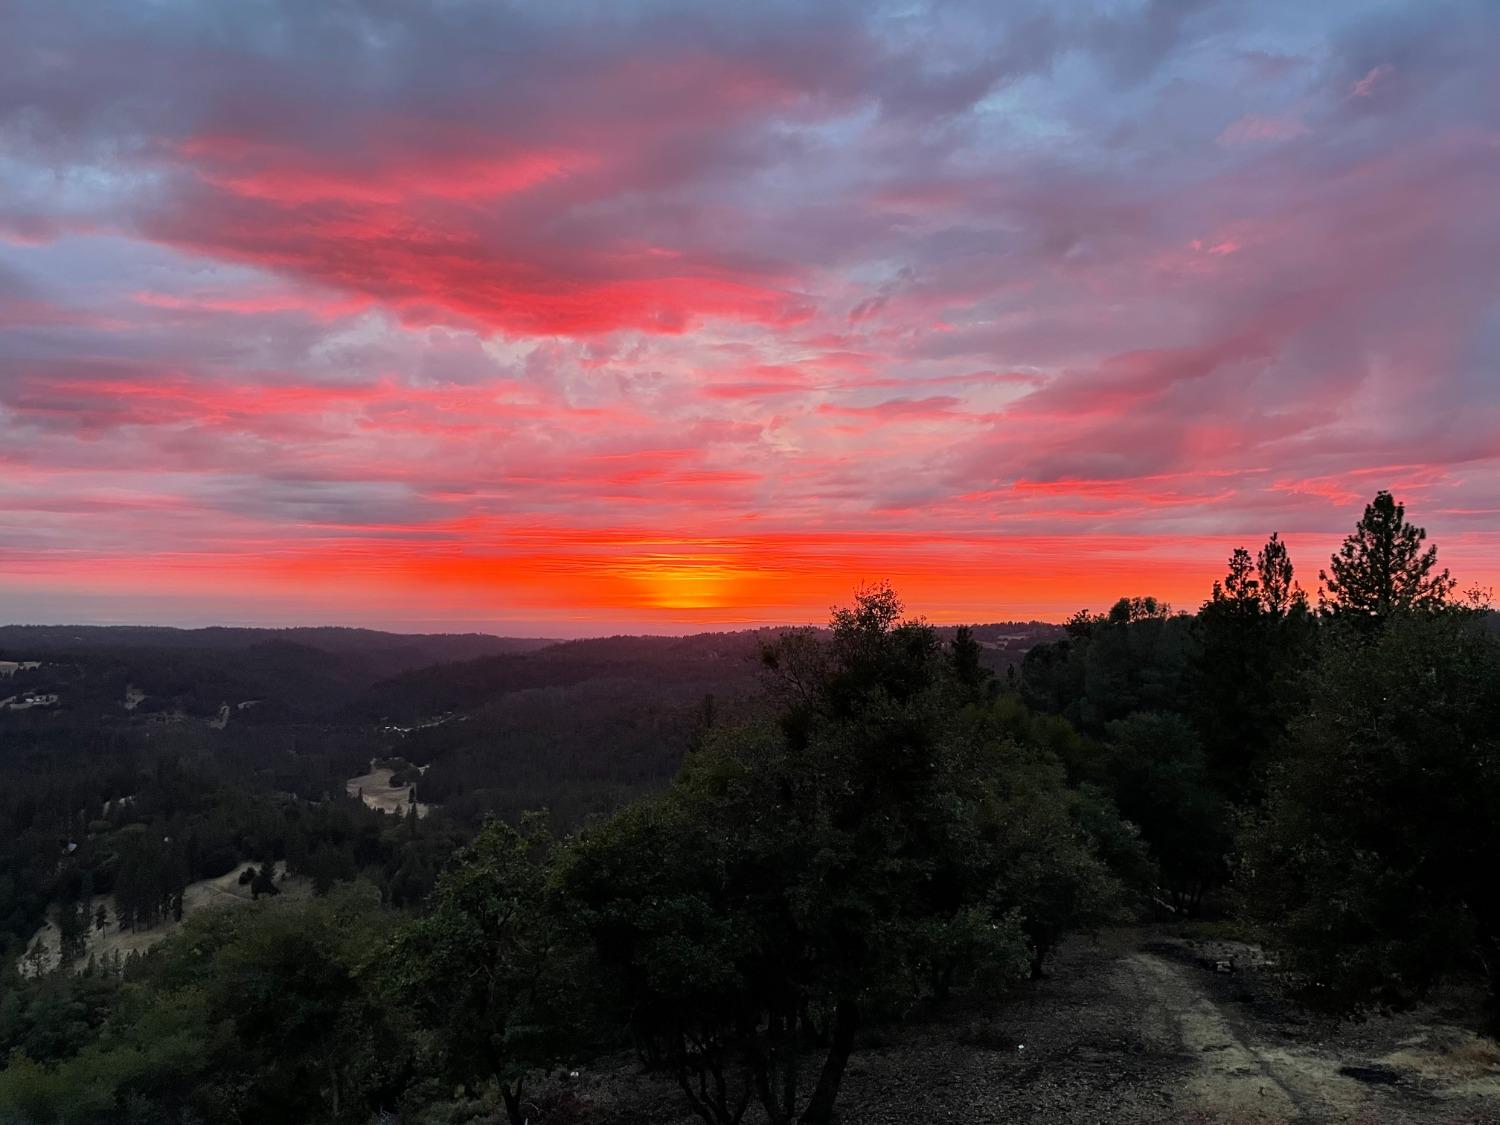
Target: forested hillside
[(743, 857), (239, 742)]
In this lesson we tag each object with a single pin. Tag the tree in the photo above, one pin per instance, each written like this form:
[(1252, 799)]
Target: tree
[(806, 876), (1054, 858), (72, 928), (1372, 866), (1160, 780), (679, 939), (1383, 567), (252, 1014), (1254, 641), (287, 980), (1133, 658), (1279, 592), (1240, 587), (972, 676), (485, 973)]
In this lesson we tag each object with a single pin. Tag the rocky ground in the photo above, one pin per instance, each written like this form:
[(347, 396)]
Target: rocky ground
[(1141, 1026)]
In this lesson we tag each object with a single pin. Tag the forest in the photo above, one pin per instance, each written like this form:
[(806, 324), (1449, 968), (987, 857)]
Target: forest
[(728, 863)]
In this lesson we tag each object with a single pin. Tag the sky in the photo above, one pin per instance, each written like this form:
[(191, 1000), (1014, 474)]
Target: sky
[(560, 318)]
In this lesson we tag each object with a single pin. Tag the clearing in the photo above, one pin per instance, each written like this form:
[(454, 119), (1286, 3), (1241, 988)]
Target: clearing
[(376, 790), (45, 945)]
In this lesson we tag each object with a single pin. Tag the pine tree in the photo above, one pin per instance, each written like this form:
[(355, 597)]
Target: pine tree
[(1279, 591), (1239, 584), (1383, 568)]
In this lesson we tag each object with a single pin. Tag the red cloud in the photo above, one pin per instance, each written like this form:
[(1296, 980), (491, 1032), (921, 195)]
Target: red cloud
[(537, 226), (444, 265), (264, 169)]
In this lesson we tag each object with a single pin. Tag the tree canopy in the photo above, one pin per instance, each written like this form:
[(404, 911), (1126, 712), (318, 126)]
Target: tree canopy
[(802, 877)]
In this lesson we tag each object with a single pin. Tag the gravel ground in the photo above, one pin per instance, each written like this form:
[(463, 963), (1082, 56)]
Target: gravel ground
[(1138, 1027)]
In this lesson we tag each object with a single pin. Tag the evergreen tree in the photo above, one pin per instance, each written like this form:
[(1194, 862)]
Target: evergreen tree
[(1240, 586), (972, 676), (1254, 637), (1371, 867), (1383, 566), (1279, 592)]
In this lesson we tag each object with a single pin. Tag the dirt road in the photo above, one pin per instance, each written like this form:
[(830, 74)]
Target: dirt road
[(1138, 1029), (1141, 1029)]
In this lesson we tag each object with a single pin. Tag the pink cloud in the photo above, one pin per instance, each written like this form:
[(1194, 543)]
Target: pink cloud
[(265, 169), (1366, 86), (1258, 129)]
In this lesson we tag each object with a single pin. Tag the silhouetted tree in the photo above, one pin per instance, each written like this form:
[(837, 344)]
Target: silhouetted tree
[(1279, 592), (1383, 567), (1240, 586), (1254, 643)]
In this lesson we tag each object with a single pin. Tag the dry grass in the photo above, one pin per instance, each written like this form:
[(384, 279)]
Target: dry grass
[(376, 790), (226, 890), (1449, 1054)]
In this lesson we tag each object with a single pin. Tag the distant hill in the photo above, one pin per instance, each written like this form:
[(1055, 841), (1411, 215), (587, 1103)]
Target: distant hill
[(700, 663), (408, 650), (293, 672), (501, 724)]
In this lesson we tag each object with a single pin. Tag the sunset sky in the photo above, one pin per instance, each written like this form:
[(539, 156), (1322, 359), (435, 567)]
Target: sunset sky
[(562, 318)]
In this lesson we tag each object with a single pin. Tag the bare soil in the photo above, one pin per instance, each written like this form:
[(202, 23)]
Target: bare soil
[(1138, 1027)]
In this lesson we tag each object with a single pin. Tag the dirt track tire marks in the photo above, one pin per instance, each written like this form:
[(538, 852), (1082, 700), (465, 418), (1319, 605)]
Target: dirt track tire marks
[(1234, 1081)]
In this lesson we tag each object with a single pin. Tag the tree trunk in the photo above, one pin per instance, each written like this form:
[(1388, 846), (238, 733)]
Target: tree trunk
[(1039, 962), (776, 1074), (845, 1022), (1489, 958), (333, 1085), (513, 1102), (789, 1069)]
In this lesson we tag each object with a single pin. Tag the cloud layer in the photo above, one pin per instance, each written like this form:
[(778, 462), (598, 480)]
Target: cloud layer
[(646, 315)]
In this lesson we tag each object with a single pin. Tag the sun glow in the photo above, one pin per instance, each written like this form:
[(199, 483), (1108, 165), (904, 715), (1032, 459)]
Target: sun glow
[(687, 582)]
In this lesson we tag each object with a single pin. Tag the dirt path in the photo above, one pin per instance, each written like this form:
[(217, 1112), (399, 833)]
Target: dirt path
[(1138, 1029), (1234, 1079)]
